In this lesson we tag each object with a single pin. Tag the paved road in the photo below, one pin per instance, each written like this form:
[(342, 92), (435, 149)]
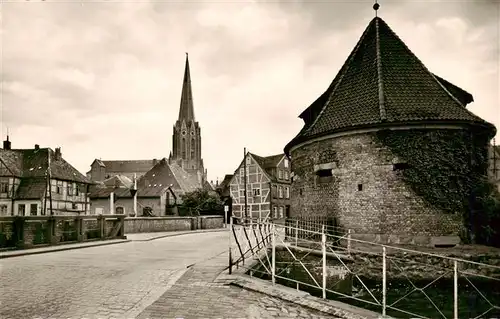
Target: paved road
[(135, 279), (116, 281)]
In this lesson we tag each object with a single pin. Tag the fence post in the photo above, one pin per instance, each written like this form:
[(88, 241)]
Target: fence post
[(323, 246), (273, 255), (455, 289), (384, 281), (296, 232), (349, 241), (230, 244)]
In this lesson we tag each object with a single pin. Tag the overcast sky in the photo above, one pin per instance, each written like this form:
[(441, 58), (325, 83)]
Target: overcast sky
[(103, 79)]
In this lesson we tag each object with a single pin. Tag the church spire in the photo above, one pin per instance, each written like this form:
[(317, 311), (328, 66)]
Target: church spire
[(186, 111)]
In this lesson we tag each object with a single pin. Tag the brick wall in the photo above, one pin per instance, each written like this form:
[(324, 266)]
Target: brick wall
[(365, 194), (163, 224), (156, 204)]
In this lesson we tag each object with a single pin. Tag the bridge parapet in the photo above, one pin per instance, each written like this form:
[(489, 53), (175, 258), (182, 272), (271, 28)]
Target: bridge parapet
[(37, 231)]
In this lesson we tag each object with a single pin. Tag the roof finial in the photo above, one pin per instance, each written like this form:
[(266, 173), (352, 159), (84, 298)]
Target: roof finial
[(376, 6), (186, 54)]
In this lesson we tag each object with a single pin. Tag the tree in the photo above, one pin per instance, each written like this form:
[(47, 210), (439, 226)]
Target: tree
[(199, 201)]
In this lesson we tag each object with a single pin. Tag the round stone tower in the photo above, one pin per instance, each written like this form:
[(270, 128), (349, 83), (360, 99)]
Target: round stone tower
[(389, 150)]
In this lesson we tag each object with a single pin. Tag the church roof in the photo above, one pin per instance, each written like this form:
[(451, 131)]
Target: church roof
[(384, 83)]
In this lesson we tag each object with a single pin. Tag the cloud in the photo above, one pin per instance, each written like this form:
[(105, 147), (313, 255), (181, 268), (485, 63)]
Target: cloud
[(103, 80)]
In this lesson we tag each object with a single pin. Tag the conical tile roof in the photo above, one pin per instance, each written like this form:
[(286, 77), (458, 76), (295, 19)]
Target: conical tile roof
[(384, 83)]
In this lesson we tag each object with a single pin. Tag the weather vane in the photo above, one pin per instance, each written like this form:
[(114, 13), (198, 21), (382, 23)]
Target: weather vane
[(376, 6)]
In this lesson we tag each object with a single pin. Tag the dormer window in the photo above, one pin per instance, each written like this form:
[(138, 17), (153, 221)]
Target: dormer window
[(285, 162)]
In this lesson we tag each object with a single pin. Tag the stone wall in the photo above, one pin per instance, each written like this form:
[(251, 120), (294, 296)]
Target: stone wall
[(365, 193), (164, 224)]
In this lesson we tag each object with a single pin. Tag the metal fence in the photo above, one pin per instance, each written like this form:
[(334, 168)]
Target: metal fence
[(394, 281)]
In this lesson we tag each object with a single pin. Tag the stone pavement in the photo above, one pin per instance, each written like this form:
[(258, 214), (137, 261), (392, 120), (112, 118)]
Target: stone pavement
[(198, 294), (113, 281)]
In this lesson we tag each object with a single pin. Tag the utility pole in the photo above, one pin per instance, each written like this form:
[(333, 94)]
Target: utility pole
[(50, 182), (135, 195), (245, 181)]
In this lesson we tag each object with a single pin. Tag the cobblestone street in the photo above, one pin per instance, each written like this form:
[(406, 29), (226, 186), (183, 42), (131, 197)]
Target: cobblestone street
[(116, 281), (135, 279)]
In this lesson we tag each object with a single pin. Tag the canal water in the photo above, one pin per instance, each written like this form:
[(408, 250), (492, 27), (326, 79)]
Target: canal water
[(424, 302)]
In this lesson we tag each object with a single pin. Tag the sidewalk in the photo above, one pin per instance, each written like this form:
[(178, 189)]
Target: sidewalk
[(130, 237), (158, 235), (201, 293)]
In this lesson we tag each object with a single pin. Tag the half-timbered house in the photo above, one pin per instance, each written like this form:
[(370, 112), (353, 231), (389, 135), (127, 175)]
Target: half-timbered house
[(267, 187)]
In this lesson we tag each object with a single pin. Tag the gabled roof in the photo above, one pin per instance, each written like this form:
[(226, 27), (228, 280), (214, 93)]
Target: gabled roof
[(31, 163), (267, 163), (187, 182), (118, 180), (127, 166), (226, 181), (384, 83)]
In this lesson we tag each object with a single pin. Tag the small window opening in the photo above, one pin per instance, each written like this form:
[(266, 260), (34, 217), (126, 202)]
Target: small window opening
[(324, 175), (360, 187), (400, 166), (300, 191)]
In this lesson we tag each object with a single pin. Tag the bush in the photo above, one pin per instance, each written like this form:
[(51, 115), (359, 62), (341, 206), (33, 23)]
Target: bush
[(199, 202)]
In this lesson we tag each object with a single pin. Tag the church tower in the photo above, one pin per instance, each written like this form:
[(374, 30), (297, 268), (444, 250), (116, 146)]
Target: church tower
[(186, 140)]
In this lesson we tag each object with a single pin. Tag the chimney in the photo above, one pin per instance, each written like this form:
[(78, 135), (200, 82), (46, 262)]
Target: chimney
[(58, 155), (37, 147), (6, 144)]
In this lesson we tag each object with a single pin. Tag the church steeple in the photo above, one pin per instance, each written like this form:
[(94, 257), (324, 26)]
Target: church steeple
[(186, 111), (186, 138)]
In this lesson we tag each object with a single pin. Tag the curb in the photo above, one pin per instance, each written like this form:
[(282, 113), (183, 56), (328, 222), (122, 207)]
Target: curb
[(301, 298), (182, 233), (58, 248)]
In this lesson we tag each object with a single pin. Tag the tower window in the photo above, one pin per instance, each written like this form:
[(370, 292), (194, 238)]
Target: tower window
[(324, 175), (400, 166), (183, 148), (192, 148), (360, 187)]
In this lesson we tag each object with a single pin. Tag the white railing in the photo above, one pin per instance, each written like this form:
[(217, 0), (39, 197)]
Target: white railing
[(375, 268)]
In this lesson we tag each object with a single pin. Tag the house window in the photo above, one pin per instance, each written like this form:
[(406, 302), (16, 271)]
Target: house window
[(324, 175), (99, 210), (280, 174), (77, 189), (4, 187), (70, 189), (3, 210), (287, 192), (120, 210), (256, 192), (21, 210), (275, 191), (280, 192), (33, 209), (286, 175), (281, 212), (286, 163), (249, 159), (275, 212)]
